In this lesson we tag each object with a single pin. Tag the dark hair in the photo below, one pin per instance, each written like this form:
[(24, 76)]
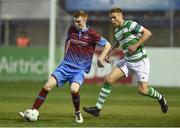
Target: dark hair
[(80, 13), (115, 10)]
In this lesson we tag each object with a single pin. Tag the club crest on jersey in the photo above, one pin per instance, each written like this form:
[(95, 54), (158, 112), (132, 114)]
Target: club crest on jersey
[(78, 42)]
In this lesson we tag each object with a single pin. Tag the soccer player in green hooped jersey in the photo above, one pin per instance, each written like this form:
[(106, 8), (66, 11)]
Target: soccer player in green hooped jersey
[(130, 36)]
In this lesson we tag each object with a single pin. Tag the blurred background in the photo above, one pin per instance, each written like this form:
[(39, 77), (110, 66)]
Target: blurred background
[(26, 36)]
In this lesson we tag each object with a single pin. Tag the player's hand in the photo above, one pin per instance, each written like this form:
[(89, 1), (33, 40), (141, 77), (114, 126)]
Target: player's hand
[(100, 63), (132, 49), (107, 59)]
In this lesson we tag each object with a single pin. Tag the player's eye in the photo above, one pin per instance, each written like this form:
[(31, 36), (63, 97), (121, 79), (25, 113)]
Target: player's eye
[(77, 21), (112, 17)]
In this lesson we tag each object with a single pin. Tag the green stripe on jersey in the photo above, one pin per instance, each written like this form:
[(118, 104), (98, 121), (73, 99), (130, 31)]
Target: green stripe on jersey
[(128, 34)]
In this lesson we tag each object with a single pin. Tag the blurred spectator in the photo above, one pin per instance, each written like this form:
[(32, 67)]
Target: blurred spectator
[(23, 40)]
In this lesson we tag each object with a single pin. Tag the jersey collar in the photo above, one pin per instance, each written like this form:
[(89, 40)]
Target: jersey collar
[(84, 29)]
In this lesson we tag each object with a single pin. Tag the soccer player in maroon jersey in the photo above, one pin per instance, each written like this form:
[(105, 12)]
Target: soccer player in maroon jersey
[(79, 49)]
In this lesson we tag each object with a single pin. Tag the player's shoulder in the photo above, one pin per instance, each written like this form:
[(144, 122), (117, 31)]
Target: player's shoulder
[(128, 22), (72, 28), (92, 32)]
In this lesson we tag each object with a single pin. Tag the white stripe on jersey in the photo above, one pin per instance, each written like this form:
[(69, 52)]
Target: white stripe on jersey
[(133, 25), (126, 40), (120, 33)]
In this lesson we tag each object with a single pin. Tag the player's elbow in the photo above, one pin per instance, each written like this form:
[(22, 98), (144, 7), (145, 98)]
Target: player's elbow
[(148, 33)]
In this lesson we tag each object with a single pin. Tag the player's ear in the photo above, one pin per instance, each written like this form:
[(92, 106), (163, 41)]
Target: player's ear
[(121, 15), (85, 19)]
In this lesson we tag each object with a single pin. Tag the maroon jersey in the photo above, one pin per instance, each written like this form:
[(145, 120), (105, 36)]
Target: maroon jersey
[(80, 47)]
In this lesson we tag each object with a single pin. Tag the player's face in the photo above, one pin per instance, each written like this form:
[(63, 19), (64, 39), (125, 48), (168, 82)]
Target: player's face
[(79, 22), (116, 19)]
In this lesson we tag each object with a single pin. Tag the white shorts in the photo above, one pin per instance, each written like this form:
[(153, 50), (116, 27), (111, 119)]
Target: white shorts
[(140, 69)]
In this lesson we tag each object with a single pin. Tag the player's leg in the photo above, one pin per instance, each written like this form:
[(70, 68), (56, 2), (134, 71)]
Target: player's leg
[(57, 78), (141, 69), (75, 96), (76, 101), (76, 81), (144, 89), (42, 95), (115, 74), (48, 86)]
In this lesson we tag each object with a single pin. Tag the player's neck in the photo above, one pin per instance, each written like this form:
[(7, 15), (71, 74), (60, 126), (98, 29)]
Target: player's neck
[(85, 28)]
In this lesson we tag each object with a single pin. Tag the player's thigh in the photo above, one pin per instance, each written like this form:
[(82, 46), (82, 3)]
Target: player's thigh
[(50, 83), (61, 75), (141, 70), (114, 75), (76, 80)]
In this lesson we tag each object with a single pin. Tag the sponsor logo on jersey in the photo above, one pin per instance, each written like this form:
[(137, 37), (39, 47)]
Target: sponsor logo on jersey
[(85, 36), (78, 42)]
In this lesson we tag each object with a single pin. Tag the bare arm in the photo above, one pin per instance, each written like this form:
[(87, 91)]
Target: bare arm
[(103, 54), (146, 34), (111, 52), (67, 43)]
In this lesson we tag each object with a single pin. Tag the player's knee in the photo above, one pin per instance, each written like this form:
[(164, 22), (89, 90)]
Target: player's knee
[(74, 89), (48, 86), (108, 80)]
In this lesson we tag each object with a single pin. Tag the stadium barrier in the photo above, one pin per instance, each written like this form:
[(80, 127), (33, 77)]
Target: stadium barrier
[(23, 63), (32, 64)]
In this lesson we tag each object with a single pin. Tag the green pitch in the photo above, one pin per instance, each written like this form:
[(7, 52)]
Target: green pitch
[(124, 107)]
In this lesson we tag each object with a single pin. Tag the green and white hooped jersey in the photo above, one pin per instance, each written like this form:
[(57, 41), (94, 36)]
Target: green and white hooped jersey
[(127, 34)]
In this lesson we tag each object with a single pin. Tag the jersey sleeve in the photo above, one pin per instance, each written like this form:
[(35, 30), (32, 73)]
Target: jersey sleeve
[(68, 34), (67, 38), (99, 39), (102, 42)]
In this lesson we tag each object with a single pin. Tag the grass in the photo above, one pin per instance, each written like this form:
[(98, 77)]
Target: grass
[(123, 108)]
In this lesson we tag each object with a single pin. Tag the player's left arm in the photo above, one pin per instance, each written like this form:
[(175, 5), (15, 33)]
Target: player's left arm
[(146, 34), (106, 47)]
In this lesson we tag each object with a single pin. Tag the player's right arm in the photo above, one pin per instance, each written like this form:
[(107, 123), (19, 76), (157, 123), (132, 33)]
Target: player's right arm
[(67, 41), (102, 42), (106, 47), (137, 28), (111, 52)]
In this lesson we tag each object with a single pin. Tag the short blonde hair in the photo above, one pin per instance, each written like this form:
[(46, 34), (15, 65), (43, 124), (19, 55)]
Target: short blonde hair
[(115, 10)]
